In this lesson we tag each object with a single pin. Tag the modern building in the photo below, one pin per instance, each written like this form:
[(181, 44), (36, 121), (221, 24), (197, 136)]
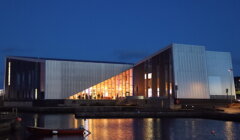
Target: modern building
[(237, 86), (185, 72), (175, 72), (28, 78)]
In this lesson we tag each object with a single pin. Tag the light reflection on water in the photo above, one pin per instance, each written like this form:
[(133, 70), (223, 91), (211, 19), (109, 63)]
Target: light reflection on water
[(132, 129), (229, 130)]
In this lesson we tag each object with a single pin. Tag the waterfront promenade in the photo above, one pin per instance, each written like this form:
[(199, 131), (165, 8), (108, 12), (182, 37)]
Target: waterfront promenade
[(228, 113)]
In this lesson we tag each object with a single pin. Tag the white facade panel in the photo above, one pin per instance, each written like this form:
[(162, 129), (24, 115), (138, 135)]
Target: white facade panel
[(215, 85), (190, 72), (219, 65), (65, 78)]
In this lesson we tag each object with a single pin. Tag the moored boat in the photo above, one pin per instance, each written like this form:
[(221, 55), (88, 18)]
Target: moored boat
[(48, 131), (9, 122)]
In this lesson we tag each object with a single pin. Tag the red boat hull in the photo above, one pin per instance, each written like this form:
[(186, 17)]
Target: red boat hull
[(46, 131)]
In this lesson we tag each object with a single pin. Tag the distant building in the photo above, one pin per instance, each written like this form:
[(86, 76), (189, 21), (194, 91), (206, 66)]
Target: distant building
[(1, 92), (237, 83), (175, 72), (237, 86)]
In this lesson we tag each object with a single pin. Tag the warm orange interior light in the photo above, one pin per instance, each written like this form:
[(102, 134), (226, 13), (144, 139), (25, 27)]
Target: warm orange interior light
[(115, 87)]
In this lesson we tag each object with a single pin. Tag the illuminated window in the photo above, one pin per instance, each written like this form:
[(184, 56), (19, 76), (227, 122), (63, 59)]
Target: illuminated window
[(9, 73), (150, 92), (170, 89), (36, 93), (115, 87), (145, 76), (150, 76), (105, 94), (158, 92)]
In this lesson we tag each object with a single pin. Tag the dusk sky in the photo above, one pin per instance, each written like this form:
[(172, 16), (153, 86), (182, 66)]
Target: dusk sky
[(116, 30)]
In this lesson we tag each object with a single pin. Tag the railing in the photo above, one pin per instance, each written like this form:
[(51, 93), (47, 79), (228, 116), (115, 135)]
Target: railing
[(9, 115)]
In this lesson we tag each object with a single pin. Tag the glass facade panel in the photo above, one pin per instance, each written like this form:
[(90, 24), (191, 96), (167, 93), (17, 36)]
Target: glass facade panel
[(23, 80), (115, 87)]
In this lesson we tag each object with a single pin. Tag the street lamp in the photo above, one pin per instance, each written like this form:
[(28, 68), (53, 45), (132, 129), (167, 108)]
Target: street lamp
[(230, 74)]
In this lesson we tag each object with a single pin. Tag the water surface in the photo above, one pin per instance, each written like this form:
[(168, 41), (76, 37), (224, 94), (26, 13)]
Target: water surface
[(130, 129)]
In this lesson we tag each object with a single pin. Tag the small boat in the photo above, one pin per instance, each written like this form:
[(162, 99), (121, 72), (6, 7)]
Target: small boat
[(47, 131)]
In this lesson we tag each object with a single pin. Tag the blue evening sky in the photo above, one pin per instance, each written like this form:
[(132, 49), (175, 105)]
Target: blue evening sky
[(116, 30)]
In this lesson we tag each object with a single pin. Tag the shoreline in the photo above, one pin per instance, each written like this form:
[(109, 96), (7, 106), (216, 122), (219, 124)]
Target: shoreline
[(129, 112), (172, 114)]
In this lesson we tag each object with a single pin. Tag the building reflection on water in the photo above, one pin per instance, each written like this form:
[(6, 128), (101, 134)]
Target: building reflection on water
[(137, 129), (229, 130), (148, 127)]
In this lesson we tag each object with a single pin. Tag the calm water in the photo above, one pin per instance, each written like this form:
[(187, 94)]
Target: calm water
[(131, 129)]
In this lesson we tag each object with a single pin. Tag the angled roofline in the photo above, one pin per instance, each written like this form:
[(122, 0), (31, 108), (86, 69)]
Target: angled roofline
[(163, 49), (25, 58), (154, 54), (43, 59)]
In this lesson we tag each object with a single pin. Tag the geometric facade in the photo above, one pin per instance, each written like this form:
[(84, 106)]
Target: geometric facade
[(177, 71), (115, 87), (44, 78), (65, 78), (185, 72)]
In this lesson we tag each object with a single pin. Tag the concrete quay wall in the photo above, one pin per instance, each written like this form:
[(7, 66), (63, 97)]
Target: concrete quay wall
[(170, 114)]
